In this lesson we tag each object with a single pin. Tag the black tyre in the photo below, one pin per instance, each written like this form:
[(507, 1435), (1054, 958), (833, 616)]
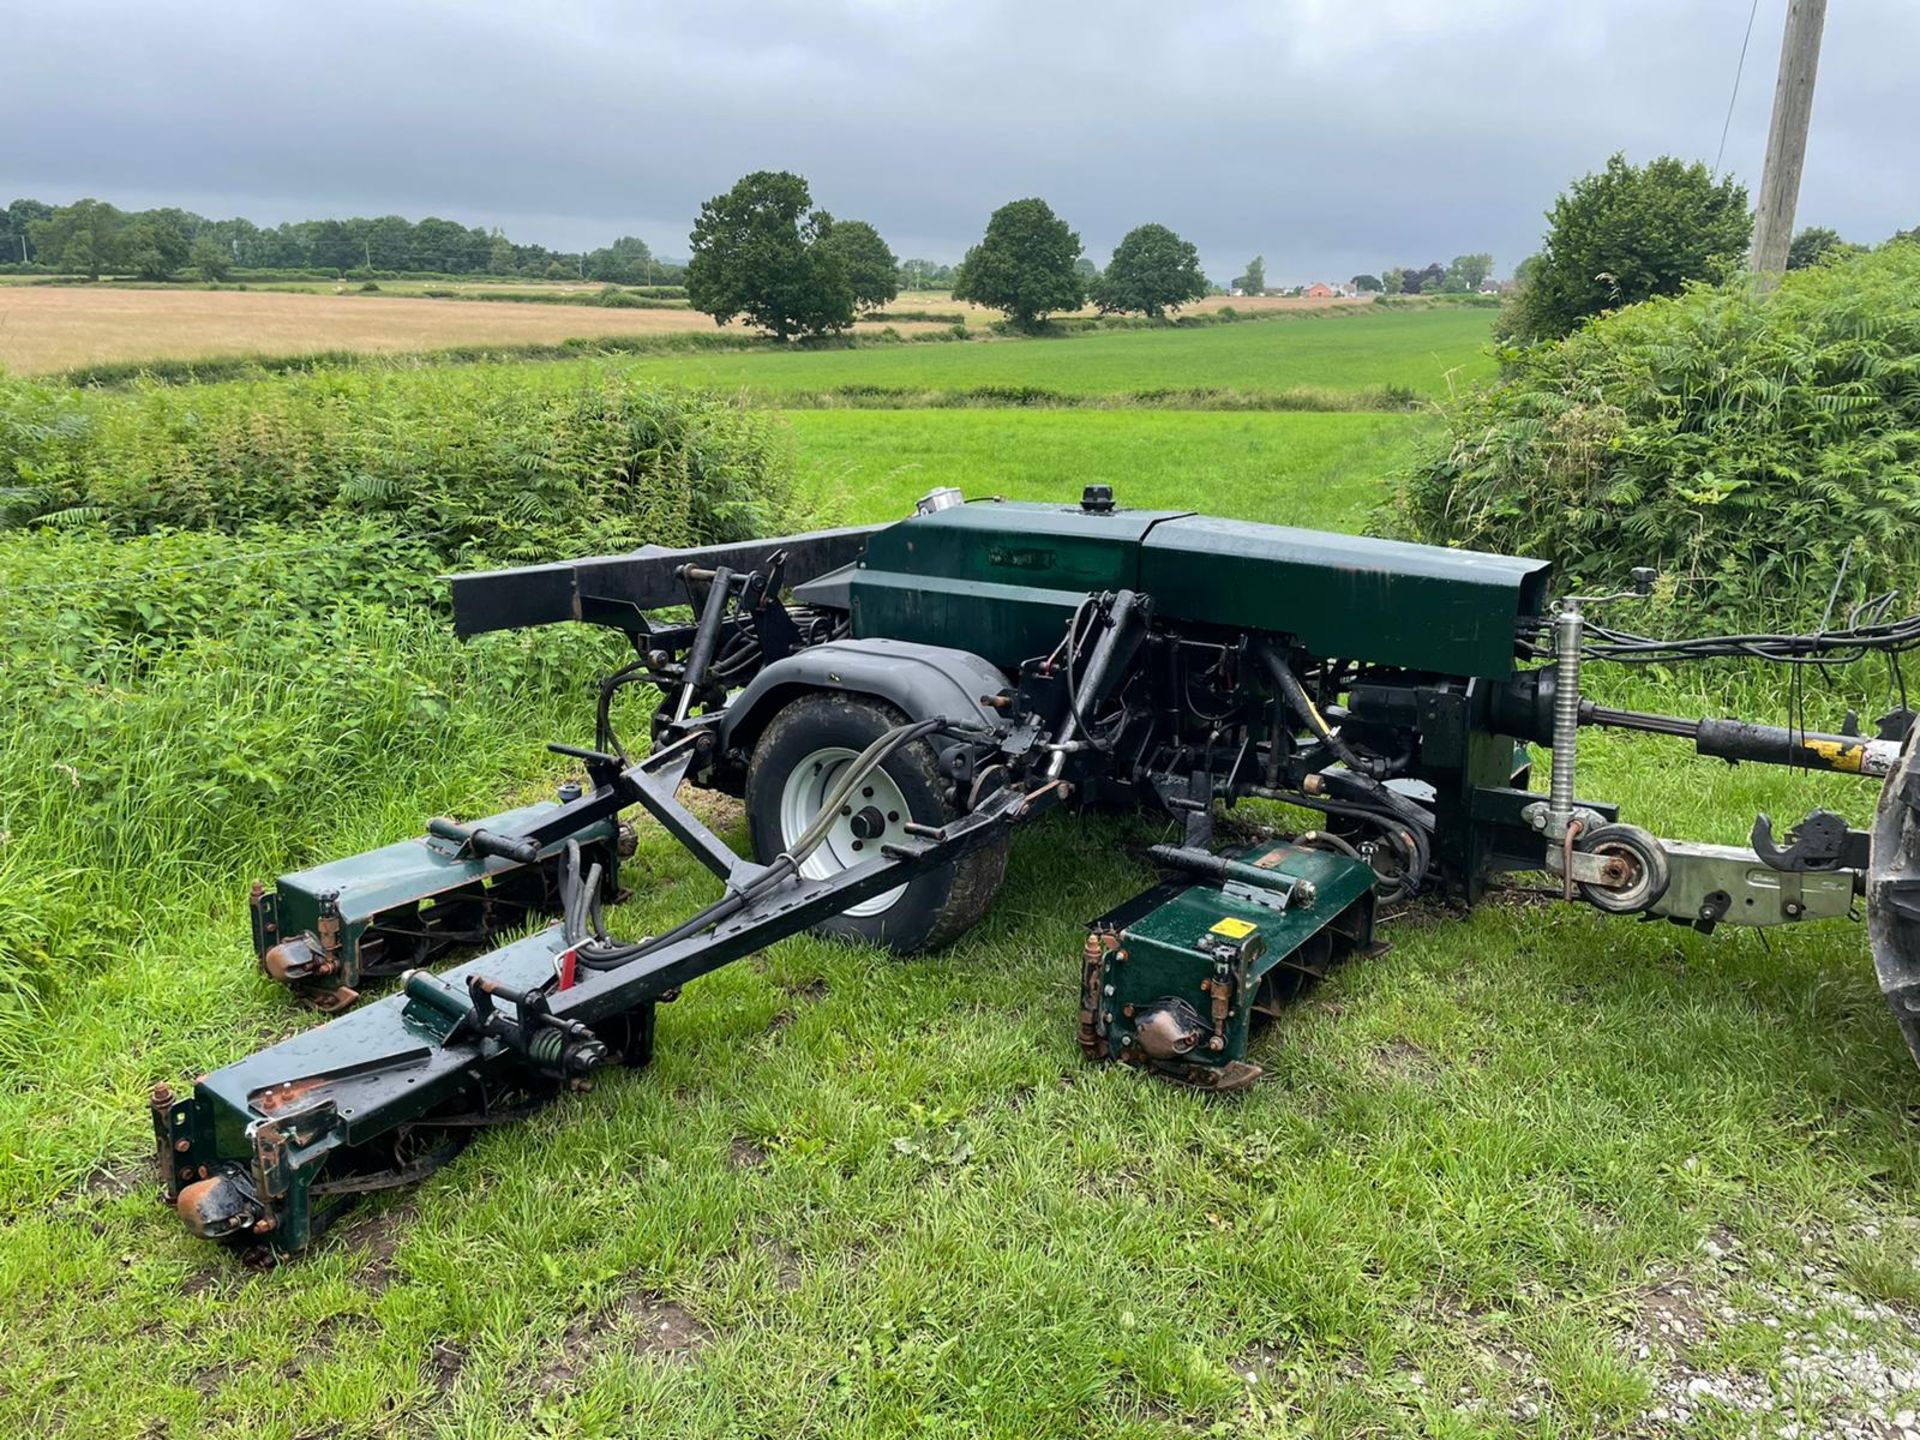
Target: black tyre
[(800, 756)]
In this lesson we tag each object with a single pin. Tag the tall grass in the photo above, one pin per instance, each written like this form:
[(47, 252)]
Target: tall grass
[(224, 648), (472, 461)]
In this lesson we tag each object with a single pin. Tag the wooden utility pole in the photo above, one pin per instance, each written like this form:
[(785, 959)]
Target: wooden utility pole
[(1787, 137)]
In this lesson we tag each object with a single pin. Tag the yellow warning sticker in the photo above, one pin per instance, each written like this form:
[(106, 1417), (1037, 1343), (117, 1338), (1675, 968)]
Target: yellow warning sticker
[(1234, 929)]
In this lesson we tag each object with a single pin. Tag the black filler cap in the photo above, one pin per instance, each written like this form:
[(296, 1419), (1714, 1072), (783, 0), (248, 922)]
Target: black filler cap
[(1097, 499)]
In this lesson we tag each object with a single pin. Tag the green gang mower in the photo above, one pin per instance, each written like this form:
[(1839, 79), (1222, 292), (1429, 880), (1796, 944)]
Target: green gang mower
[(892, 702)]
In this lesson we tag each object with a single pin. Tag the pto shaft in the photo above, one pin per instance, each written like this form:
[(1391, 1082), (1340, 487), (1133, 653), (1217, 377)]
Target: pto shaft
[(1735, 740)]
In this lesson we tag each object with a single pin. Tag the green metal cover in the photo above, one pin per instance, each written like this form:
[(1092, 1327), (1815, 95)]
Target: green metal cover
[(360, 889), (1385, 602), (1000, 578), (1161, 934)]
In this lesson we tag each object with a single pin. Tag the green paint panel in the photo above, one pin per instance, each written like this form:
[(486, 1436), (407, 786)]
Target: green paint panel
[(393, 881), (377, 880), (1387, 602), (1001, 578), (997, 578)]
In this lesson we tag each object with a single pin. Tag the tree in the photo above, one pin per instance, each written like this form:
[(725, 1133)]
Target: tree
[(1815, 244), (628, 261), (1024, 266), (1366, 284), (208, 256), (332, 246), (152, 248), (1630, 233), (1254, 282), (1422, 281), (1469, 272), (1392, 279), (386, 243), (1153, 271), (16, 246), (871, 269), (925, 275), (756, 253), (443, 246), (82, 238)]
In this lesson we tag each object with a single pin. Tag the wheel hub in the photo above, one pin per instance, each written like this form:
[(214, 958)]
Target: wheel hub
[(873, 814)]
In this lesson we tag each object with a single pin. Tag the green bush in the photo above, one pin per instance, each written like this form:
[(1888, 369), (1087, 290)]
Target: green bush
[(473, 463), (1742, 442)]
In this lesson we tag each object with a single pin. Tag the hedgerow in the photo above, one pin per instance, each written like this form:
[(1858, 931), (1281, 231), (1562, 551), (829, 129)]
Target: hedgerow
[(470, 462), (1749, 444)]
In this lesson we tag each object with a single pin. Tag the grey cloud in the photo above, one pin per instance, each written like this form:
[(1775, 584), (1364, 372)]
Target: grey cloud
[(1331, 136)]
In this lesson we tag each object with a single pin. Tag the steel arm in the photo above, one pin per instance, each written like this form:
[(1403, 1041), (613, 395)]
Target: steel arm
[(618, 590), (244, 1155)]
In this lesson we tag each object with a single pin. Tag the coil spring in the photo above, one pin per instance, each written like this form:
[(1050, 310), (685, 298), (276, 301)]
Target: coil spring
[(547, 1047)]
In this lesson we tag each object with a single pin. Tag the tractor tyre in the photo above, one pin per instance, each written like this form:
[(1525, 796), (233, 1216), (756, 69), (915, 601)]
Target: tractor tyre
[(799, 758)]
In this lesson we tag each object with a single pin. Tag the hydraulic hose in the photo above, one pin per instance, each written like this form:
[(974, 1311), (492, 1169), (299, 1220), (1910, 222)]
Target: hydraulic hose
[(1302, 705), (1410, 839)]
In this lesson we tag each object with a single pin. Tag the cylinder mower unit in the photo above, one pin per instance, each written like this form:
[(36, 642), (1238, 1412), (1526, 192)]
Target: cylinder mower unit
[(326, 931), (892, 702), (1178, 976)]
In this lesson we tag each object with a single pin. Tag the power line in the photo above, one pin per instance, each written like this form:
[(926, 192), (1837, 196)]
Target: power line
[(1727, 124)]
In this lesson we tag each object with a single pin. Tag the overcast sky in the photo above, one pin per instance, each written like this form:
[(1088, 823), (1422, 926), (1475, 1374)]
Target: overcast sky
[(1333, 136)]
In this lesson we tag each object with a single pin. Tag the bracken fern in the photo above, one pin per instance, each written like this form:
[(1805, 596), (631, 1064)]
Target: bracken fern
[(1748, 444)]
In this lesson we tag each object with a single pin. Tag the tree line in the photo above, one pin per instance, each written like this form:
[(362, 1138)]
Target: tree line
[(762, 252), (92, 238), (1463, 276)]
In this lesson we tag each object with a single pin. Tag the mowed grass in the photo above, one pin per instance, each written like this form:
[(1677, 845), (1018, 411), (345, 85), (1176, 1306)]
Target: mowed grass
[(1424, 351), (1316, 470)]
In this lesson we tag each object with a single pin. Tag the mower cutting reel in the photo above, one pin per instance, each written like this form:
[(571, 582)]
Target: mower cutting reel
[(327, 931), (892, 703)]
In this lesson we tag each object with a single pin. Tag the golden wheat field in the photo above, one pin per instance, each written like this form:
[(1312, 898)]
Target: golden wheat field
[(51, 328)]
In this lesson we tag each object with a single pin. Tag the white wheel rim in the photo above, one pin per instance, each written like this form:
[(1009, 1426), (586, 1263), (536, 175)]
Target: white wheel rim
[(870, 817)]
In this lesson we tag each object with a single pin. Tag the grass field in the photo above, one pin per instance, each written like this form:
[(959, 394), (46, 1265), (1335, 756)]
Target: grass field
[(1292, 469), (1534, 1172), (1423, 351)]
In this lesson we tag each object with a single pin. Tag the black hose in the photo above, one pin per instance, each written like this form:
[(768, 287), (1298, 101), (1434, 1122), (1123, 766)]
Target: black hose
[(1316, 838), (1415, 850), (1823, 648), (1303, 707)]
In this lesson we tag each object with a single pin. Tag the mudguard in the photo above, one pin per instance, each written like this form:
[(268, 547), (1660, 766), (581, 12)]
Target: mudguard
[(921, 681)]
